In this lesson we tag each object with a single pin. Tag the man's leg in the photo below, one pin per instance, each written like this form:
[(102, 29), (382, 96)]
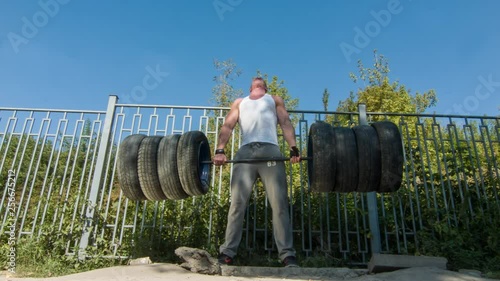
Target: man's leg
[(273, 177), (244, 176)]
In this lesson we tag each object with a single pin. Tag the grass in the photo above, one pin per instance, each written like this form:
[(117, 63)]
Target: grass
[(35, 259)]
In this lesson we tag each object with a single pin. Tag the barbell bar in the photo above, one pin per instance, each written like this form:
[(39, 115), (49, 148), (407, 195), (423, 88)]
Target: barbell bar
[(278, 159)]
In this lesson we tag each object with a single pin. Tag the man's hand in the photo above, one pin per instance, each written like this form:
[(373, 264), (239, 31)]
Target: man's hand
[(295, 155), (220, 159)]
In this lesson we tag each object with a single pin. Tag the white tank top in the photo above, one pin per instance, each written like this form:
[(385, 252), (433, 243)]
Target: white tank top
[(258, 120)]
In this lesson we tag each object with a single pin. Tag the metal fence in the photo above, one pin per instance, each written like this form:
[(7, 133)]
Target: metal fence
[(59, 169), (47, 159)]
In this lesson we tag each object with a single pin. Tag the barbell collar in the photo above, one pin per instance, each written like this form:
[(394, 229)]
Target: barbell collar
[(280, 159)]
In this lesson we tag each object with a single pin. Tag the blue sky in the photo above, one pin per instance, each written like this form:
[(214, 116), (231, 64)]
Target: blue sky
[(72, 54)]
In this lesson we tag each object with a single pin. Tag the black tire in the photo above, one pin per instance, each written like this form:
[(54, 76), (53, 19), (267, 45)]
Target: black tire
[(147, 168), (346, 160), (368, 158), (320, 150), (128, 177), (167, 168), (193, 148), (392, 158)]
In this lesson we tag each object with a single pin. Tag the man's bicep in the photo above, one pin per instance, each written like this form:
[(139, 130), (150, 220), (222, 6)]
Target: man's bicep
[(282, 114), (231, 120), (232, 117)]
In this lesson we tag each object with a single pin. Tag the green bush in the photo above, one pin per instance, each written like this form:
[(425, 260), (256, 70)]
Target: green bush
[(473, 244)]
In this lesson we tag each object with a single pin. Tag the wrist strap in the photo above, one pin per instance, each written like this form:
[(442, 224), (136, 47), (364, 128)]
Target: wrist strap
[(294, 151), (220, 151)]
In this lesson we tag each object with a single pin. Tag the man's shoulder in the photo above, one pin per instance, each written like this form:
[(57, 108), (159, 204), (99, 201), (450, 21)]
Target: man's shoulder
[(277, 99), (237, 102)]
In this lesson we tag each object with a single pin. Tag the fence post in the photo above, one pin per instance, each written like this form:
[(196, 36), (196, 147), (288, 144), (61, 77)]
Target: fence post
[(371, 198), (97, 179)]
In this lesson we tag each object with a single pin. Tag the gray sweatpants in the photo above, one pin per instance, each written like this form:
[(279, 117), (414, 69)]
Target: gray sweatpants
[(273, 177)]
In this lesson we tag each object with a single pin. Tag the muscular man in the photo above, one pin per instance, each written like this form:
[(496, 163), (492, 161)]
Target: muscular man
[(258, 115)]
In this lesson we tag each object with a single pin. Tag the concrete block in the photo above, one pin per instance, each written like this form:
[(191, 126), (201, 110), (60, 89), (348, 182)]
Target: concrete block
[(140, 261), (302, 273), (385, 262)]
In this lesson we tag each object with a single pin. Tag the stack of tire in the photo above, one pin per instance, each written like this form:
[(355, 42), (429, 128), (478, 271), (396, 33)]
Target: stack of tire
[(365, 158), (164, 167)]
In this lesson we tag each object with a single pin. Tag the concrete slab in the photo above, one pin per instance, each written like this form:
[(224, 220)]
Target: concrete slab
[(385, 262), (293, 272)]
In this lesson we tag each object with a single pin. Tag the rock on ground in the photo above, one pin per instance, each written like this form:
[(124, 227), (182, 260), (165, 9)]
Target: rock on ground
[(197, 260)]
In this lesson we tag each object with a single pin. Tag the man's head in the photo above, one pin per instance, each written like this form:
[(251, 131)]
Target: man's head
[(258, 82)]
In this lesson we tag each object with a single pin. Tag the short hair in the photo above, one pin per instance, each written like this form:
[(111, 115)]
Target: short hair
[(259, 79)]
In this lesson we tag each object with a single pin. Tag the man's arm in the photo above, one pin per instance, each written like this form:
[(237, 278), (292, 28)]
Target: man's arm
[(229, 123), (287, 127), (225, 131), (284, 121)]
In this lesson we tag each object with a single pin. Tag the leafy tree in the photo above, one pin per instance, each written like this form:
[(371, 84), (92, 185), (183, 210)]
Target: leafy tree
[(223, 92), (326, 98), (381, 95)]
